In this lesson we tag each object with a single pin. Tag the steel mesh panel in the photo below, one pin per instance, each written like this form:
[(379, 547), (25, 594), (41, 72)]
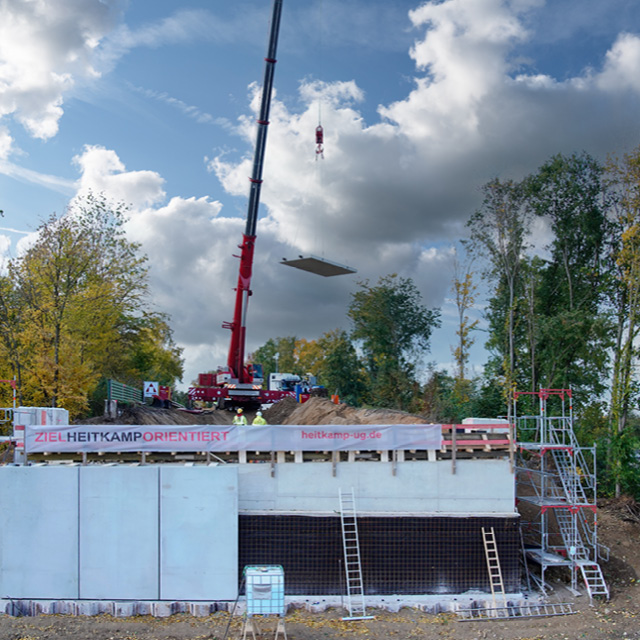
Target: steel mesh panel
[(408, 555)]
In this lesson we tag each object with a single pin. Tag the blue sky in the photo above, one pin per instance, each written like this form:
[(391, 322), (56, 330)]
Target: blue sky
[(422, 103)]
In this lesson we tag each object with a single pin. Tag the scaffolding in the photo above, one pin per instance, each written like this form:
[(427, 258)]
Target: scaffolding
[(556, 489)]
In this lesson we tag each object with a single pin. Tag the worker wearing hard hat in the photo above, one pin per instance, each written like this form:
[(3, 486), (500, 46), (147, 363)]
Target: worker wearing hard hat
[(259, 420), (239, 418)]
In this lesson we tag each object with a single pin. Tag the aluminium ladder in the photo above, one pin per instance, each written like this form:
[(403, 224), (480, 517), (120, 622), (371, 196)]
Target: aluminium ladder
[(352, 564), (493, 565), (593, 579), (517, 611)]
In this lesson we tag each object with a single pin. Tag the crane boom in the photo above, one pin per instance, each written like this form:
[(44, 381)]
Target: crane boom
[(235, 359), (240, 384)]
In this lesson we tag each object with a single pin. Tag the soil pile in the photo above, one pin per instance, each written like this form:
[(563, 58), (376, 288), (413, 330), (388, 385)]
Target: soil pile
[(143, 414), (323, 411), (315, 411)]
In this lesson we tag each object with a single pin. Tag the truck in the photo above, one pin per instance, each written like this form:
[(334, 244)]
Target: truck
[(240, 384)]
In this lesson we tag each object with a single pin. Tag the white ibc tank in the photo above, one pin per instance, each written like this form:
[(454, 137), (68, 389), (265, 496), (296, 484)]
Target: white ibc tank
[(264, 586)]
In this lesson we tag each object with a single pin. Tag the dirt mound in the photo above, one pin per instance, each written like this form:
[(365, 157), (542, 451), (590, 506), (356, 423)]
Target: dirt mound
[(323, 411), (279, 412), (138, 414), (287, 411)]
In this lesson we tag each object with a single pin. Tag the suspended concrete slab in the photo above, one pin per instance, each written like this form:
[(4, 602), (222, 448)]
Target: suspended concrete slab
[(319, 266)]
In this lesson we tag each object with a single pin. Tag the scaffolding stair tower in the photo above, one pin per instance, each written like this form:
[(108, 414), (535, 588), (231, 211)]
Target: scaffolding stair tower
[(562, 483), (352, 562)]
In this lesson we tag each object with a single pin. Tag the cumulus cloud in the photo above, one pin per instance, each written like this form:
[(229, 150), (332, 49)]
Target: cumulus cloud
[(415, 174), (103, 172), (622, 65), (44, 48)]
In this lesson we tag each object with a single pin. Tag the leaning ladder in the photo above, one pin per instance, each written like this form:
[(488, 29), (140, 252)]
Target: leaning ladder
[(352, 564), (493, 565)]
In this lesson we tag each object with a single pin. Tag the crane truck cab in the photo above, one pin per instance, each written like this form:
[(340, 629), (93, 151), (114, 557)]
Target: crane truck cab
[(283, 381)]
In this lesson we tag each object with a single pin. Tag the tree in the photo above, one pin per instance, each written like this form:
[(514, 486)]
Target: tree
[(393, 328), (341, 371), (277, 354), (499, 229), (309, 356), (12, 318), (464, 297), (624, 181), (75, 291), (573, 335)]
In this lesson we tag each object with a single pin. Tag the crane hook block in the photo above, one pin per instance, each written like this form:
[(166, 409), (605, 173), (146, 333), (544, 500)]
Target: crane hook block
[(319, 142)]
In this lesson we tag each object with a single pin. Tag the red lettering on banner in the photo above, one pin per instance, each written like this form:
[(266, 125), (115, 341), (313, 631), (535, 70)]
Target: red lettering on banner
[(40, 437)]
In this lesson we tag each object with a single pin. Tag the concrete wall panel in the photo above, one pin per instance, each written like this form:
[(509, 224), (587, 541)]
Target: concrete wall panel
[(477, 487), (199, 540), (39, 532), (119, 533)]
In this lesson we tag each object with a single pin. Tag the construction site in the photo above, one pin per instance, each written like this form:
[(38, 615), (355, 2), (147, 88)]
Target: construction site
[(324, 520), (463, 521)]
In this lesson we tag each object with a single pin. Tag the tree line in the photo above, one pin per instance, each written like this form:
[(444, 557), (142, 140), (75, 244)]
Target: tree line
[(559, 254)]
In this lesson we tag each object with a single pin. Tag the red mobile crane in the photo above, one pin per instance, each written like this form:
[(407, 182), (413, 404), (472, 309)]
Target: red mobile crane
[(240, 384)]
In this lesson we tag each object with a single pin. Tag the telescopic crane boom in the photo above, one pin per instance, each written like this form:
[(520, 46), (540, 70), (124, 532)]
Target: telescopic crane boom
[(239, 383), (235, 359)]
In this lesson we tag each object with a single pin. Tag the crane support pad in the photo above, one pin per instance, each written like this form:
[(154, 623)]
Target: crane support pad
[(319, 266)]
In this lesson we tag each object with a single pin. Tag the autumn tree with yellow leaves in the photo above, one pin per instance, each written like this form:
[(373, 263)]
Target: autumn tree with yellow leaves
[(68, 305)]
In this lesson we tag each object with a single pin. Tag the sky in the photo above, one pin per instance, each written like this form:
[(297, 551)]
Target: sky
[(154, 104)]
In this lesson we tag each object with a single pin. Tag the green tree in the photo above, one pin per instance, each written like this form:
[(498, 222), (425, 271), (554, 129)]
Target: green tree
[(341, 371), (277, 354), (12, 318), (499, 231), (624, 182), (573, 335), (393, 328), (464, 297)]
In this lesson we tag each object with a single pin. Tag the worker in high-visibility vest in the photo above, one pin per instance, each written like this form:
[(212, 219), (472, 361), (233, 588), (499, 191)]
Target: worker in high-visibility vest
[(239, 418), (259, 420)]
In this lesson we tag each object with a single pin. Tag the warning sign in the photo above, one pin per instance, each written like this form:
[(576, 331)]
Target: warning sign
[(150, 389)]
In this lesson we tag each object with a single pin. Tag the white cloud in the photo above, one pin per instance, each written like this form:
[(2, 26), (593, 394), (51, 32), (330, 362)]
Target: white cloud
[(415, 175), (103, 171), (622, 65), (55, 183), (190, 111), (5, 142), (44, 48)]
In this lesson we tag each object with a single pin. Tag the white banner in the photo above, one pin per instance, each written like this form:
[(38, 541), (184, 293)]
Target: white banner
[(92, 438)]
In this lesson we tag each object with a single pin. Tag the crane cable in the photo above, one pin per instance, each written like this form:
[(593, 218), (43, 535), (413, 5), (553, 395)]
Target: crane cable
[(319, 129)]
